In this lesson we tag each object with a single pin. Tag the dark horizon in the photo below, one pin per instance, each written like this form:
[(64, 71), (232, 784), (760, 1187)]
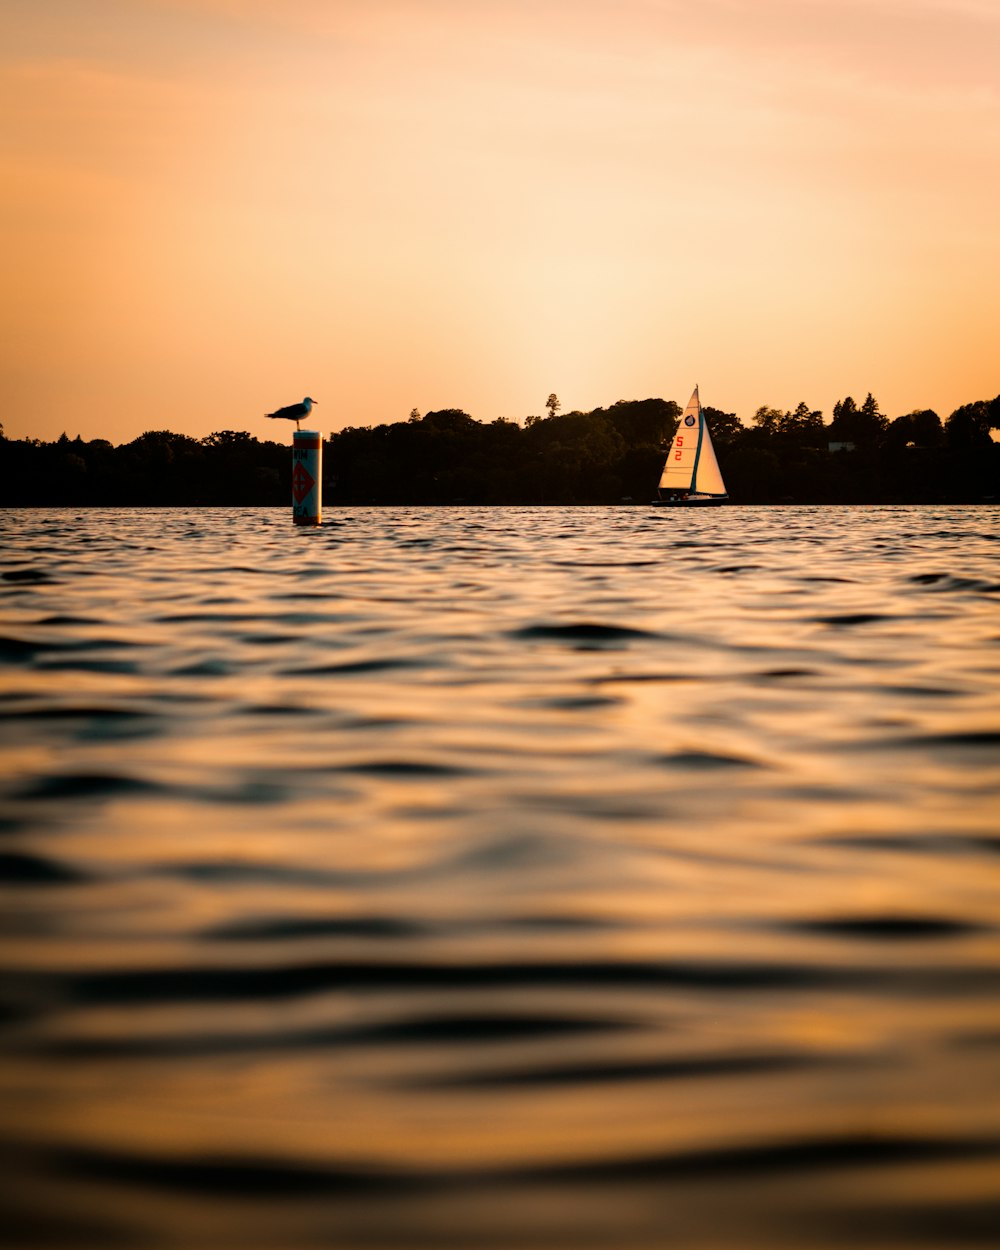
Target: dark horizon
[(607, 456)]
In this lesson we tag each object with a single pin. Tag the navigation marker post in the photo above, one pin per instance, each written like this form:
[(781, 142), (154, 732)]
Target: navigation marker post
[(307, 477)]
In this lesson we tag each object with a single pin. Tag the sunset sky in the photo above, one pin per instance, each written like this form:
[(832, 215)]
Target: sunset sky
[(214, 207)]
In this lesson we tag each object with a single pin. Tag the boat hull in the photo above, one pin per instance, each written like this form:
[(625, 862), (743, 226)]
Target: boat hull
[(692, 501)]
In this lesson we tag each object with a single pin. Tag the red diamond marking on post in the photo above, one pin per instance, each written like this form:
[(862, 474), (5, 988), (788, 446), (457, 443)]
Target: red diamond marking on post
[(302, 481)]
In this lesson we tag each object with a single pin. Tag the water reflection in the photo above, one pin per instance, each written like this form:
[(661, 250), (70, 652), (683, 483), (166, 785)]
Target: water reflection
[(501, 877)]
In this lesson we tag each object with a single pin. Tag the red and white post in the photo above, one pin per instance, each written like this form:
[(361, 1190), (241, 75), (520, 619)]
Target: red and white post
[(307, 477)]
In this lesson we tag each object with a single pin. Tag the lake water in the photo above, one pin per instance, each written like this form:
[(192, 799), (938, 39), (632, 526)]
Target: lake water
[(584, 878)]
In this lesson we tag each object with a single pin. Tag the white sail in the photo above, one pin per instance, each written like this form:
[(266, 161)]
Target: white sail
[(708, 479), (678, 472), (691, 465)]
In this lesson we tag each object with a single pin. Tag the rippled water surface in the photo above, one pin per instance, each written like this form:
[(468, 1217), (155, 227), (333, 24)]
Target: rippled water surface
[(501, 878)]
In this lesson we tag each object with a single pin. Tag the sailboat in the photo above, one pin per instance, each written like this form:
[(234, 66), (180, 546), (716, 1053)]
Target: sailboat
[(691, 477)]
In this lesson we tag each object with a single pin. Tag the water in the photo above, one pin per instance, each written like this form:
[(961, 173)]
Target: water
[(501, 878)]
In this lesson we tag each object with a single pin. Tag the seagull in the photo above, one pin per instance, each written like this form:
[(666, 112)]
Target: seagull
[(294, 412)]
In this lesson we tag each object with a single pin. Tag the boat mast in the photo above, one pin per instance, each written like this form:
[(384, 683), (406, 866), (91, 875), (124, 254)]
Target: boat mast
[(697, 450)]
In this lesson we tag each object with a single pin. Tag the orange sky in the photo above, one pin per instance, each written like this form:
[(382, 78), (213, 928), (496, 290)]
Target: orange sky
[(214, 207)]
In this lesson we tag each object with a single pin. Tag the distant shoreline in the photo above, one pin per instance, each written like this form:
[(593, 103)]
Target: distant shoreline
[(609, 457)]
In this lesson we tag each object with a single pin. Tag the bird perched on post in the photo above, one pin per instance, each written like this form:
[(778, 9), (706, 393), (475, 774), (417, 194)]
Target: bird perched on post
[(293, 412)]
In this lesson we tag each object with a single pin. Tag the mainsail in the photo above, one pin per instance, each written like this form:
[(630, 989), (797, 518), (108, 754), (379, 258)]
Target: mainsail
[(691, 464)]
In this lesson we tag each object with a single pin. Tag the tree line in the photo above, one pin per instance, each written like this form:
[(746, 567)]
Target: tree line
[(608, 455)]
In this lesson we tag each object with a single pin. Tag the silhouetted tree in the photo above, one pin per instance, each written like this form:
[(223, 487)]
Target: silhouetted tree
[(768, 421), (643, 421), (862, 426), (915, 429), (974, 456), (843, 427), (804, 427), (725, 428), (969, 426)]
